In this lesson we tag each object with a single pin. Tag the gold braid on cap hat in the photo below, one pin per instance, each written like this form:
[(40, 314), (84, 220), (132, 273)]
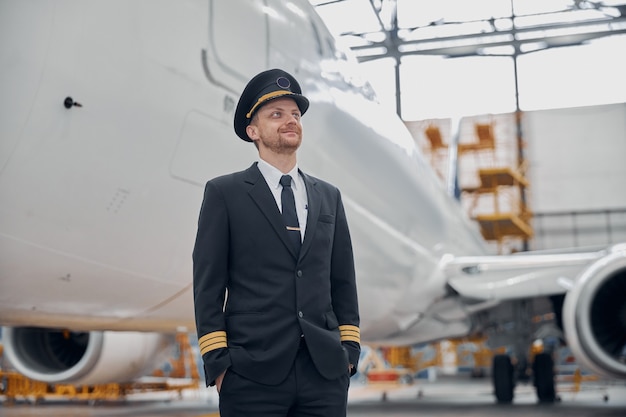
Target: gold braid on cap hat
[(266, 97)]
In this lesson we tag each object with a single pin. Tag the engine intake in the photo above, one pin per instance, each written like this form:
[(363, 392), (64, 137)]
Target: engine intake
[(83, 358), (594, 315)]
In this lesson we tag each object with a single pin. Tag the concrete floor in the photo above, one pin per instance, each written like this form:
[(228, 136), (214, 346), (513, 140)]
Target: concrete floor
[(442, 398)]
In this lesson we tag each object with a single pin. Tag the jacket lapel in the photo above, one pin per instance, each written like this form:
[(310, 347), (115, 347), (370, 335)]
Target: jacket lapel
[(313, 212), (262, 196)]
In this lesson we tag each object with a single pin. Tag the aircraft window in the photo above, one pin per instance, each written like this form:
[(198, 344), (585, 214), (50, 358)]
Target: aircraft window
[(292, 36), (316, 33), (350, 72)]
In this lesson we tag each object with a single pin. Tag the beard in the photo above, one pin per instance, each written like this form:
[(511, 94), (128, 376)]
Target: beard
[(282, 145)]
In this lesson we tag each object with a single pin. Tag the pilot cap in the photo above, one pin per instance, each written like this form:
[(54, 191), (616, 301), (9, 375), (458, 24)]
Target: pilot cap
[(266, 86)]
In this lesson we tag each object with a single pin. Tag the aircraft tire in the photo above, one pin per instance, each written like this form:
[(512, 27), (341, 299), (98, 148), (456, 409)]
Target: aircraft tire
[(543, 370), (503, 383)]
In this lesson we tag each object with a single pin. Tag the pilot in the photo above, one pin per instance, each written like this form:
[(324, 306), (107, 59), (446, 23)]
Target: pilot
[(274, 282)]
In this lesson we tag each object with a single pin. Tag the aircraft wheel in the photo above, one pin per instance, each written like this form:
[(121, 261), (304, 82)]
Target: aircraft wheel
[(543, 370), (503, 379)]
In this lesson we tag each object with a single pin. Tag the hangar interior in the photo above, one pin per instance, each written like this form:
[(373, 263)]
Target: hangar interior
[(545, 172), (554, 173)]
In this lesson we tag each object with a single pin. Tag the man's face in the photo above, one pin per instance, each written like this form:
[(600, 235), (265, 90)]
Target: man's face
[(276, 127)]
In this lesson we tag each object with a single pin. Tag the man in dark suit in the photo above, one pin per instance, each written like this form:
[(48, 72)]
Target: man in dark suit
[(274, 283)]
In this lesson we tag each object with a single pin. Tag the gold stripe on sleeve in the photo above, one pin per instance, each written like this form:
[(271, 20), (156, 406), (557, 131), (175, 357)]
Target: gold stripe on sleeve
[(350, 333), (212, 341)]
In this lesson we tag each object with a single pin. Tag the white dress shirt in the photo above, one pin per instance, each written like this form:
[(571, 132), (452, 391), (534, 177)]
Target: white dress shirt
[(272, 178)]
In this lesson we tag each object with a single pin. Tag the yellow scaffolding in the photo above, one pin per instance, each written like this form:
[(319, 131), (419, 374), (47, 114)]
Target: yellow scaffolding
[(436, 148), (503, 184), (486, 139)]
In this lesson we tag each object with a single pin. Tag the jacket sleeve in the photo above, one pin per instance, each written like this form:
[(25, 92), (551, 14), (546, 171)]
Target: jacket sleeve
[(210, 276), (344, 290)]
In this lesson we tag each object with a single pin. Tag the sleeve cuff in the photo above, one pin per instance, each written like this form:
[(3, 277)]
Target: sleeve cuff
[(212, 341), (350, 333)]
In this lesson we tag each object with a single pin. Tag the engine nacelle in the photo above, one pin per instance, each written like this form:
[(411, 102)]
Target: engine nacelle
[(594, 315), (83, 358)]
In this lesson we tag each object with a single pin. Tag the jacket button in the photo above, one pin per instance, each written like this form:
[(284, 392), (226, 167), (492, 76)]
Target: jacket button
[(299, 274), (300, 314)]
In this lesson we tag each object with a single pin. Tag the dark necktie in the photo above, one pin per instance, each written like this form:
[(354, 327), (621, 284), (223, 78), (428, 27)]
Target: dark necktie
[(290, 217)]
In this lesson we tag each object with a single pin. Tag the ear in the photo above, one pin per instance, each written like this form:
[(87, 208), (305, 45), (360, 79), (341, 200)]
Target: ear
[(251, 131)]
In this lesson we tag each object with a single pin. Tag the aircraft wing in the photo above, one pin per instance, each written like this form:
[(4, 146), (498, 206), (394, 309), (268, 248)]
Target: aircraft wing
[(593, 284), (521, 275)]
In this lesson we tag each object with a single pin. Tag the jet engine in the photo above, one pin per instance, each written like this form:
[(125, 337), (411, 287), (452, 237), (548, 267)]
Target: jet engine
[(83, 358), (594, 315)]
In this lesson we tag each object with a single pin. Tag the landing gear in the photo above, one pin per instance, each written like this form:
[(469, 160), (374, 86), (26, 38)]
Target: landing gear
[(514, 329), (543, 371), (503, 382)]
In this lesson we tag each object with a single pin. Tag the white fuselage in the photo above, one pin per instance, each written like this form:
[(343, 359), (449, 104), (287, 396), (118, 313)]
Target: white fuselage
[(99, 203)]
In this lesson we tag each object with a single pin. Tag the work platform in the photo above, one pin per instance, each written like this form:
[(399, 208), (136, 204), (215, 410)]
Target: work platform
[(495, 226), (493, 188), (490, 178), (500, 224)]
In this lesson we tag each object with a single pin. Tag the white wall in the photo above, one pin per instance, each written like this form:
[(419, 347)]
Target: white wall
[(577, 164), (577, 158)]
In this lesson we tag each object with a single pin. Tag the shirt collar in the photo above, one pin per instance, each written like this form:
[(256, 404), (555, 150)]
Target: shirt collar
[(272, 174)]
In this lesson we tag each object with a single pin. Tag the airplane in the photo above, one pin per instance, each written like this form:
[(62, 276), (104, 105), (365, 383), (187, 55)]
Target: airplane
[(114, 114)]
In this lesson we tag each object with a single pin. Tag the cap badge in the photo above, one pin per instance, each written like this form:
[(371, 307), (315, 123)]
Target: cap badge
[(283, 82)]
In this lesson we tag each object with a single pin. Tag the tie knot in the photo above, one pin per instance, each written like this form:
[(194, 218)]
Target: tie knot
[(285, 180)]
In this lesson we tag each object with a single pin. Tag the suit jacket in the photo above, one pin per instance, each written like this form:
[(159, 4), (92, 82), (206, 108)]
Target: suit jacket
[(254, 298)]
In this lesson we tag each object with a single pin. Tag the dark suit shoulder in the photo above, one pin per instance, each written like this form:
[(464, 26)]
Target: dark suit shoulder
[(235, 177)]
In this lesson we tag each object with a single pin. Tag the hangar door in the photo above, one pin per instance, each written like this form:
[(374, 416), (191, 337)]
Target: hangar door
[(236, 52)]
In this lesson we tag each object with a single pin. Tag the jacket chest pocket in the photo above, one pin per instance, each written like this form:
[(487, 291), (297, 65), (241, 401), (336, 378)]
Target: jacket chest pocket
[(326, 218)]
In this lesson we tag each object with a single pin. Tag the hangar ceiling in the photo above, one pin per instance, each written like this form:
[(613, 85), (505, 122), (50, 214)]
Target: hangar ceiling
[(376, 29)]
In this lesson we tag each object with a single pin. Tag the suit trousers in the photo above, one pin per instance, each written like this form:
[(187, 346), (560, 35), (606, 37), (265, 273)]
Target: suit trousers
[(304, 393)]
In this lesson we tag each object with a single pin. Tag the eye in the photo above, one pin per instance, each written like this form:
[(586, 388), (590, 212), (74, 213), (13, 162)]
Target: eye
[(297, 115), (276, 114)]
